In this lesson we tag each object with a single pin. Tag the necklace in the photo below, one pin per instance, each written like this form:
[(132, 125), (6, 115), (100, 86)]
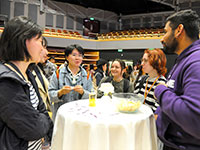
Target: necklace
[(147, 92)]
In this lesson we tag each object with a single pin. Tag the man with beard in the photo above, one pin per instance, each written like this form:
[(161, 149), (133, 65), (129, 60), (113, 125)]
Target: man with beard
[(178, 122)]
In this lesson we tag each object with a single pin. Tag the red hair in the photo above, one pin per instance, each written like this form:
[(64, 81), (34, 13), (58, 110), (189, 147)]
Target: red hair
[(157, 60)]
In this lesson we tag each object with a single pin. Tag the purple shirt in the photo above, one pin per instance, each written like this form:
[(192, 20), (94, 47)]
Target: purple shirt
[(178, 123)]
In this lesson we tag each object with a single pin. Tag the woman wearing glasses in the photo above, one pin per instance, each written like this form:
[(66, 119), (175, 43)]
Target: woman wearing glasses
[(70, 82), (153, 64)]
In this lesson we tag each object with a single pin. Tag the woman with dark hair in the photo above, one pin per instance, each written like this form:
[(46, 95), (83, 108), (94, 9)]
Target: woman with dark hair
[(70, 82), (120, 84), (153, 64), (137, 73), (24, 120), (127, 73), (101, 70), (42, 82)]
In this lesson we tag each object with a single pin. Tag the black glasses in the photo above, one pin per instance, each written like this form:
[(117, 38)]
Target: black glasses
[(77, 55)]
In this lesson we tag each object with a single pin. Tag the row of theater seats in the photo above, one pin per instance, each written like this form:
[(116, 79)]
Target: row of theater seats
[(140, 33), (58, 33), (62, 33), (132, 34)]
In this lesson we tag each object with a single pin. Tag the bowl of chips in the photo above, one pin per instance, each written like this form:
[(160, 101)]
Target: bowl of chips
[(127, 102)]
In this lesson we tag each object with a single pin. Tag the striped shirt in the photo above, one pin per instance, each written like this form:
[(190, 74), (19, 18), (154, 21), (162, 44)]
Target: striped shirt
[(150, 100), (37, 144)]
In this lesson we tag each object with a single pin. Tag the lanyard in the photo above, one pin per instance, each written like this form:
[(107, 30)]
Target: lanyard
[(147, 92)]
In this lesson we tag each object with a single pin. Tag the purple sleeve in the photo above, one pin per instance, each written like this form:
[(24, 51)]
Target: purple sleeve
[(157, 110), (183, 109)]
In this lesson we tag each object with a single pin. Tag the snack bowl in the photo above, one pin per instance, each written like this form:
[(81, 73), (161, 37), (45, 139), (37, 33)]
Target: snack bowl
[(127, 102)]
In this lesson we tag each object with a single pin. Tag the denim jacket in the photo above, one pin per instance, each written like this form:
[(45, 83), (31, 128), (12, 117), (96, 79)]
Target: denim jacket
[(65, 80)]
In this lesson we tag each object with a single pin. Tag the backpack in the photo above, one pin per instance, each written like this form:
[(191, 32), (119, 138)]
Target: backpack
[(58, 69), (126, 83)]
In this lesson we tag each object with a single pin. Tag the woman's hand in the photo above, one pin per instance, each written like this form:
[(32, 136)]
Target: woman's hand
[(79, 89), (64, 90)]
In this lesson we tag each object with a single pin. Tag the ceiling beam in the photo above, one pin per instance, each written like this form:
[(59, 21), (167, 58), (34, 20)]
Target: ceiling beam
[(77, 10), (165, 3), (163, 13), (56, 6), (96, 13)]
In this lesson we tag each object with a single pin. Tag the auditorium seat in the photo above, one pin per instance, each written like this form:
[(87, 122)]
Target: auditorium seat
[(53, 32), (47, 31)]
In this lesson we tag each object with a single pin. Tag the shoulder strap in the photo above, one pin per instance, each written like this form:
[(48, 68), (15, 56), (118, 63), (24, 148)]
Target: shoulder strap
[(126, 85), (97, 73), (58, 69), (37, 71), (142, 81), (109, 79), (88, 75), (57, 73)]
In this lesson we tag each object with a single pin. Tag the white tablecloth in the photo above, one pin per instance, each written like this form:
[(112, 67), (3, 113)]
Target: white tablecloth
[(80, 127)]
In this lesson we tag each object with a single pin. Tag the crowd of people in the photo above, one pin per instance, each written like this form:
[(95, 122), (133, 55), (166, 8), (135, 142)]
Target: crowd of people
[(35, 87)]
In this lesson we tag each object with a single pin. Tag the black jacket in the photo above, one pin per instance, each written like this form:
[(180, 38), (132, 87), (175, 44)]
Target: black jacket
[(19, 121), (98, 75)]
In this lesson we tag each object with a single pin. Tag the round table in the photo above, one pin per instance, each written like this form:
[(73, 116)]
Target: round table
[(80, 127)]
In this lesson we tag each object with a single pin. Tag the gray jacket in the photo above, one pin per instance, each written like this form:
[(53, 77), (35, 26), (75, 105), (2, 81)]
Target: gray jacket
[(49, 69)]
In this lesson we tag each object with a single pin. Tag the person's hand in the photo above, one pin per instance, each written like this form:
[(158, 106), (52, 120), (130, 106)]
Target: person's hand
[(64, 90), (79, 89), (160, 83), (155, 116)]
